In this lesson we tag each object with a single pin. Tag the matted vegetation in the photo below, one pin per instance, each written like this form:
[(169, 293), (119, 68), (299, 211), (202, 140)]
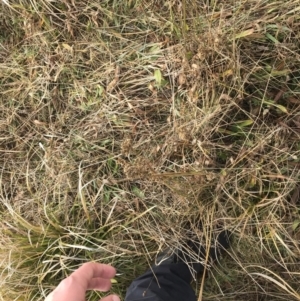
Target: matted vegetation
[(122, 122)]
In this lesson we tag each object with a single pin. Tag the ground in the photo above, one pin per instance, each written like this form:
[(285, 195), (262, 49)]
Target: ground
[(126, 124)]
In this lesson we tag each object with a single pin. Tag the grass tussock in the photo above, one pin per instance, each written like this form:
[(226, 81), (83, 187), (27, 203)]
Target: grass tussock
[(122, 122)]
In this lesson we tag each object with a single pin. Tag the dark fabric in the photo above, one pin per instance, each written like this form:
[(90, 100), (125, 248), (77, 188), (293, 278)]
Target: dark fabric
[(170, 280), (166, 282)]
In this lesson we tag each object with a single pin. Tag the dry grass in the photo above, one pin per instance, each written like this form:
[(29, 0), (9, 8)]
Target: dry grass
[(121, 121)]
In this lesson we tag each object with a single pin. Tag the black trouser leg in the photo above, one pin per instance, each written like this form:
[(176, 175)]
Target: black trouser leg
[(171, 281), (166, 282)]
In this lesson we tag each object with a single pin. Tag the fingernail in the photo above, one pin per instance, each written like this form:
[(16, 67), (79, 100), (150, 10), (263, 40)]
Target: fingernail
[(115, 298)]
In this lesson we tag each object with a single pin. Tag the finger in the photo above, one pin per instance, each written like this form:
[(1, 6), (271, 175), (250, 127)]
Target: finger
[(92, 270), (99, 284), (111, 298), (75, 286)]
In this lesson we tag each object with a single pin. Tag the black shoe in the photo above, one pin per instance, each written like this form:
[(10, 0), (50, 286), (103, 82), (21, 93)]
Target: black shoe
[(193, 253)]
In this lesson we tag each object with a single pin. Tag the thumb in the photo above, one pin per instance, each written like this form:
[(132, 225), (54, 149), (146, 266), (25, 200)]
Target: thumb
[(111, 298)]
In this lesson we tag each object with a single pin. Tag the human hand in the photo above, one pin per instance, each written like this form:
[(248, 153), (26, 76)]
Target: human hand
[(90, 276)]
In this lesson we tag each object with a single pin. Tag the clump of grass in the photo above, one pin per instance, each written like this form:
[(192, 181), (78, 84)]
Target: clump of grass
[(126, 124)]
